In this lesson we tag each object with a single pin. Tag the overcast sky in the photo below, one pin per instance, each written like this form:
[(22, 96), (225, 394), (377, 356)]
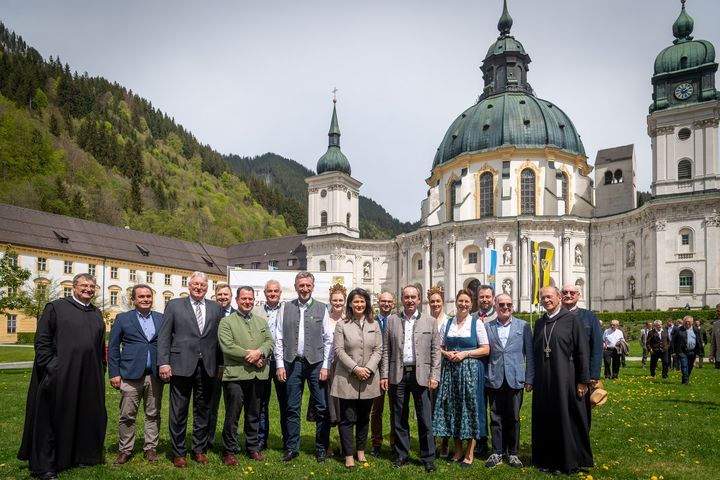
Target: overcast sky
[(248, 77)]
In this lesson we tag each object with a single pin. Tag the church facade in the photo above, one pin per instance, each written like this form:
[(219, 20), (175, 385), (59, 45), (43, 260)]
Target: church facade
[(512, 169)]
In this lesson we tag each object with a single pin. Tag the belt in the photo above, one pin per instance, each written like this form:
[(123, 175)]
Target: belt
[(299, 358), (409, 368), (148, 371)]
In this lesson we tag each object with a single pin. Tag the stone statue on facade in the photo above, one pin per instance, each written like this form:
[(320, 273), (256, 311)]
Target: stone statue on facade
[(507, 255), (578, 255)]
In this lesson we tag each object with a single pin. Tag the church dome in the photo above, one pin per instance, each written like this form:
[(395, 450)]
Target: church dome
[(685, 52), (509, 119), (333, 160)]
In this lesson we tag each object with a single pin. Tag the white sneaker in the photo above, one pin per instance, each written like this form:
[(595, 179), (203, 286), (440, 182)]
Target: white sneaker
[(514, 461), (493, 461)]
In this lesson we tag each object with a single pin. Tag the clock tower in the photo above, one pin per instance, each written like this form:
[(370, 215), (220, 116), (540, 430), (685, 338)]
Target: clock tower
[(684, 114)]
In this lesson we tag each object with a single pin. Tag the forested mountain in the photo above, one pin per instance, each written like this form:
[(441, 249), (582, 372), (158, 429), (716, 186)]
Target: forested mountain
[(89, 148), (289, 176)]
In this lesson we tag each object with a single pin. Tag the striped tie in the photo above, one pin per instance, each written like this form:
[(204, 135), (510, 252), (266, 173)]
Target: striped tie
[(199, 317)]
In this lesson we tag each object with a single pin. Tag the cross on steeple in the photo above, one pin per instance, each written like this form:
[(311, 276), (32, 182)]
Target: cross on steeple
[(334, 91)]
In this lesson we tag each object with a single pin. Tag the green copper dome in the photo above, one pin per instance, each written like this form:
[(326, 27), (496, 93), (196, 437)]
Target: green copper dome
[(685, 52), (509, 119), (333, 160), (508, 113)]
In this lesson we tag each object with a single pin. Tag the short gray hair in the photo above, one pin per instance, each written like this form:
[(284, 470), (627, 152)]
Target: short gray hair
[(272, 281), (202, 275), (302, 275), (86, 276)]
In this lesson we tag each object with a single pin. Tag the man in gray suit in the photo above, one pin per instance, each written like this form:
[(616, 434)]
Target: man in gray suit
[(187, 358), (510, 369), (411, 366)]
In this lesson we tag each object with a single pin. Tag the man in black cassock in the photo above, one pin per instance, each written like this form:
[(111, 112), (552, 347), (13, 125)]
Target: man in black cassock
[(65, 416), (560, 423)]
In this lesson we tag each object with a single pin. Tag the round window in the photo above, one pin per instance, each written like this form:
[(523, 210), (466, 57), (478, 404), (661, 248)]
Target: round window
[(684, 133), (323, 193)]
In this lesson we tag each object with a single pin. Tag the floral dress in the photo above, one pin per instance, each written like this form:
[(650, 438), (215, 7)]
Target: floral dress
[(460, 404)]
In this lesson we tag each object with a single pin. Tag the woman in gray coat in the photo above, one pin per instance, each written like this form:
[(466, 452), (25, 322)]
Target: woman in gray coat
[(358, 350)]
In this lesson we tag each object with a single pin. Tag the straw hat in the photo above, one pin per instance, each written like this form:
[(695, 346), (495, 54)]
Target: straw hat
[(598, 396)]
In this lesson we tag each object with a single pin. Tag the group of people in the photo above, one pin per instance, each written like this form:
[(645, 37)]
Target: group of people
[(456, 368)]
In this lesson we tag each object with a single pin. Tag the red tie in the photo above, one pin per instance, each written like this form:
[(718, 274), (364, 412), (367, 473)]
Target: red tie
[(483, 316)]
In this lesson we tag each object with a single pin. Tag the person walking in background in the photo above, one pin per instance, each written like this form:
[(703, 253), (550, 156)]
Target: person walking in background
[(658, 344), (411, 366), (386, 304), (188, 358), (715, 339), (269, 311), (245, 341), (460, 405), (687, 343), (132, 367), (65, 416), (511, 368), (611, 355), (357, 343), (643, 341), (704, 338)]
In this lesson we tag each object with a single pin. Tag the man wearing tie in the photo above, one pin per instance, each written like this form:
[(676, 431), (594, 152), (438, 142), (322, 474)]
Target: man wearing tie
[(132, 367), (386, 303), (411, 366), (223, 296), (187, 358)]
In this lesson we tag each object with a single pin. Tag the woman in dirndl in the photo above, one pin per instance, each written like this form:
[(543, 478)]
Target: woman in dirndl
[(460, 403)]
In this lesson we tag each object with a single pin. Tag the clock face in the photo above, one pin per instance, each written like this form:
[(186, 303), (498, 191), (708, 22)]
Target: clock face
[(683, 91)]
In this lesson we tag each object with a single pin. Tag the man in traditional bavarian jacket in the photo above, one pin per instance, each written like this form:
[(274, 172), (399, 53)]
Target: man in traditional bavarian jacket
[(303, 353)]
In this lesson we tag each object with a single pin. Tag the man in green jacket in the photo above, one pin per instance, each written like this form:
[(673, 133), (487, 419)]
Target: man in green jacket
[(245, 341)]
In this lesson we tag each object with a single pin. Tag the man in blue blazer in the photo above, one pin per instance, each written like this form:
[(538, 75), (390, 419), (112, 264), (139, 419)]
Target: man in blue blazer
[(132, 367), (510, 369)]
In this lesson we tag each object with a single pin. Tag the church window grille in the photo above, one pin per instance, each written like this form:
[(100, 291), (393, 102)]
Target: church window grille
[(608, 177), (486, 195), (133, 275), (565, 195), (114, 297), (618, 176), (419, 264), (684, 170), (67, 292), (184, 281), (472, 257), (323, 219), (685, 239), (168, 279), (527, 192)]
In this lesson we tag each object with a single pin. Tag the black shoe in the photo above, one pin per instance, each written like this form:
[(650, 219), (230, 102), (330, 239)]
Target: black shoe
[(430, 467), (399, 462), (289, 455), (375, 452), (321, 456), (47, 475)]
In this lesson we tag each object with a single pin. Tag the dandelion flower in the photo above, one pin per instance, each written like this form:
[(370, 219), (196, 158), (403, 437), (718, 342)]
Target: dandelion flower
[(650, 450), (653, 478), (366, 464)]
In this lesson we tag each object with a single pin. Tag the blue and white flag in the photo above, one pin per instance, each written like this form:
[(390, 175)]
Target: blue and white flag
[(490, 266)]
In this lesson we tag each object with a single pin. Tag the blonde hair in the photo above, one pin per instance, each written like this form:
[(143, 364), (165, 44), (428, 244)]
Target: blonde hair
[(436, 291)]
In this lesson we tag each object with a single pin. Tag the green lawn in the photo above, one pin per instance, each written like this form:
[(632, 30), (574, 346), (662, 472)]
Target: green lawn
[(648, 427), (11, 353)]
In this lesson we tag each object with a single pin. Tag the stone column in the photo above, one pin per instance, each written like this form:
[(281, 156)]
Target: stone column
[(565, 260), (451, 269), (427, 268), (375, 275), (524, 274), (712, 255)]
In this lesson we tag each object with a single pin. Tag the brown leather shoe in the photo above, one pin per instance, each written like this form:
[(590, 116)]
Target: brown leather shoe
[(257, 456), (230, 461), (121, 459), (200, 458), (180, 462), (151, 456)]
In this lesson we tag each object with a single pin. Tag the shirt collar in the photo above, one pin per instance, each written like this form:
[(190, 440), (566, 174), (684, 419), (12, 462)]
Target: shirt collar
[(488, 313), (81, 303), (140, 315), (502, 325), (246, 316), (305, 305), (195, 302), (413, 317), (268, 308)]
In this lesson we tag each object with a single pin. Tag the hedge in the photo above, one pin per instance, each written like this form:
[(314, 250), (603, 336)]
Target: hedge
[(25, 338)]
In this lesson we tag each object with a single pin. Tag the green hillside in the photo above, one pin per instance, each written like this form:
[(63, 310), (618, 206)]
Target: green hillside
[(86, 147), (289, 177)]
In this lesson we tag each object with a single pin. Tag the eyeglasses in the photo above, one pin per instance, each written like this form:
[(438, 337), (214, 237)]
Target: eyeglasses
[(505, 305), (568, 292)]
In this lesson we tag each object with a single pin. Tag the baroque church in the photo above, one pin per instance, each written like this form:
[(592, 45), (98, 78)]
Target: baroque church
[(512, 169)]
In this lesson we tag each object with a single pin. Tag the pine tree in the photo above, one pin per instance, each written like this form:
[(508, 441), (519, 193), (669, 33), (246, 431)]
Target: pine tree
[(54, 126)]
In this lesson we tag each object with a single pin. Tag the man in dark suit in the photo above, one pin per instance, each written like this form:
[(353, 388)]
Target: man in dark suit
[(132, 367), (658, 344), (223, 296), (411, 366), (386, 304), (570, 297), (687, 344), (510, 368), (187, 358), (715, 339)]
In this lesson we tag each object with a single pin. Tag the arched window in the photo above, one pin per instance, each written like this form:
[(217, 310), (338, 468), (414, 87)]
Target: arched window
[(608, 177), (618, 176), (527, 192), (686, 282), (486, 195), (564, 192), (685, 241), (323, 219), (684, 169), (323, 266), (347, 220)]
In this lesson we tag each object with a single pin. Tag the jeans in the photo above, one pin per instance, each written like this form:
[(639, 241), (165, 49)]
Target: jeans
[(686, 365), (298, 372), (280, 392)]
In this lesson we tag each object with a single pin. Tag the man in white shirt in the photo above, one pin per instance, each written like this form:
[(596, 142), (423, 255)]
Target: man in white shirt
[(611, 356)]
